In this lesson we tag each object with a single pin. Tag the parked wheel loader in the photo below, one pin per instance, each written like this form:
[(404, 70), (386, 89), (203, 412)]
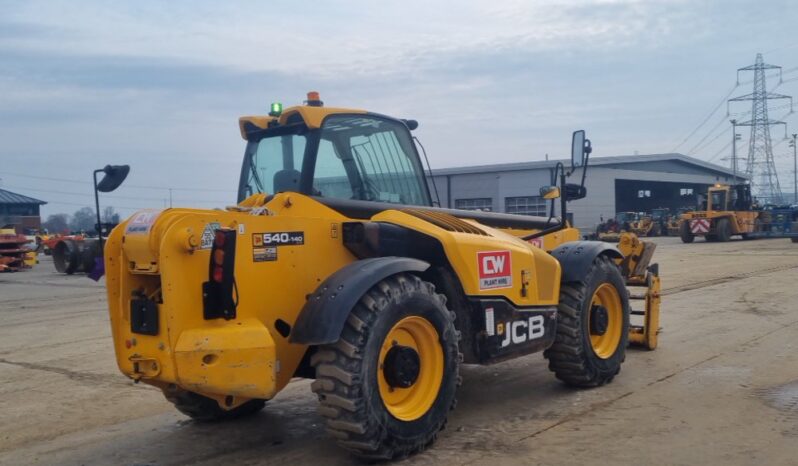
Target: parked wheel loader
[(614, 227), (335, 266), (674, 220), (654, 223)]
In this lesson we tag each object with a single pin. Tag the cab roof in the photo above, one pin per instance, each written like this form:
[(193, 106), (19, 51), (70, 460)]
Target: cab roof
[(312, 116)]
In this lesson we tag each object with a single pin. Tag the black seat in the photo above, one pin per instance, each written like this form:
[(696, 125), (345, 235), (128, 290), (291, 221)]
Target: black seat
[(286, 180)]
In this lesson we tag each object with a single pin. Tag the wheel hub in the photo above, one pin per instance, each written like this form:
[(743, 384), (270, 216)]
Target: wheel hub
[(599, 320), (402, 366)]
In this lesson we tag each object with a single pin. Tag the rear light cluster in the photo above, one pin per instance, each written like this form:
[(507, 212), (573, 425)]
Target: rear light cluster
[(219, 300)]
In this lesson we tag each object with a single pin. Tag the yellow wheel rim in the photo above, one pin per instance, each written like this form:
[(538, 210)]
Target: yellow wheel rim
[(409, 404), (604, 345)]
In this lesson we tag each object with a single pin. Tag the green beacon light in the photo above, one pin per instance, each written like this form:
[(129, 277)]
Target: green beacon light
[(276, 109)]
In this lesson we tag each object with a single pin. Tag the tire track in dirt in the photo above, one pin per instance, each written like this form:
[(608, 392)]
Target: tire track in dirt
[(725, 279), (85, 377), (600, 405)]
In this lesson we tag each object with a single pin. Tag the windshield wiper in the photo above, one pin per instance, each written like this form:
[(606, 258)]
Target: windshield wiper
[(254, 171)]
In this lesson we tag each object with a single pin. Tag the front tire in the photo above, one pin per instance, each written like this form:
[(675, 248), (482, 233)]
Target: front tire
[(685, 233), (592, 327), (387, 386), (723, 230)]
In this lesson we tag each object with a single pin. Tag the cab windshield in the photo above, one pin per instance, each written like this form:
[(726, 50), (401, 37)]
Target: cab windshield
[(718, 200), (360, 157)]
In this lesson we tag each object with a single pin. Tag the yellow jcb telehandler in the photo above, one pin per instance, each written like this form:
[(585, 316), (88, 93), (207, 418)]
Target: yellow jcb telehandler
[(335, 266)]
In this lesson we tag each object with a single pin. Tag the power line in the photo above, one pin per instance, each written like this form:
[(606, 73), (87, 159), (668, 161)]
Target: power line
[(706, 136), (722, 150), (722, 101), (704, 121), (112, 196), (77, 204), (66, 180)]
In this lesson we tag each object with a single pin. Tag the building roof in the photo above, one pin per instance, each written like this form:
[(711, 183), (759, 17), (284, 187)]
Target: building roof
[(7, 197), (598, 161)]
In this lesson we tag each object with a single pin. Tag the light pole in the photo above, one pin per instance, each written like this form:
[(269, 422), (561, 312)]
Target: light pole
[(114, 175), (794, 167)]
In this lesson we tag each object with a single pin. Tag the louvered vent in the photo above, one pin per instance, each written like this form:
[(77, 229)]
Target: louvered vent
[(445, 221)]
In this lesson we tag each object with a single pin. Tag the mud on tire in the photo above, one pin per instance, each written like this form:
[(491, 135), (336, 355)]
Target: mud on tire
[(572, 357), (202, 408), (347, 372)]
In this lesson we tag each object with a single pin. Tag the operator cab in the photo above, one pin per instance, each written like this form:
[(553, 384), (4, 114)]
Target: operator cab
[(717, 198), (351, 156), (361, 163), (724, 197)]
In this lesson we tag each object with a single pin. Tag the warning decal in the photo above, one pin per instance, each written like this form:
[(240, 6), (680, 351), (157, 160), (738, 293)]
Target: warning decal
[(207, 235), (264, 254), (537, 242), (495, 270), (490, 322), (699, 226)]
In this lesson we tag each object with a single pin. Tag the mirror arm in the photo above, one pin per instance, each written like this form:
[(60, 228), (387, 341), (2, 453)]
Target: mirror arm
[(563, 208), (588, 150), (97, 206), (560, 169)]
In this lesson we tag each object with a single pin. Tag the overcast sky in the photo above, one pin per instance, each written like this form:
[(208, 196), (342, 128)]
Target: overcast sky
[(160, 85)]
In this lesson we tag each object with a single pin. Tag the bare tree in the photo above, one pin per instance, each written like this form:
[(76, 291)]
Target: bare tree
[(57, 223), (83, 220), (110, 215)]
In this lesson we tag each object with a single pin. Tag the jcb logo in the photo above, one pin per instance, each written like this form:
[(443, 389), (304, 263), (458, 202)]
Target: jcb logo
[(495, 270), (521, 331)]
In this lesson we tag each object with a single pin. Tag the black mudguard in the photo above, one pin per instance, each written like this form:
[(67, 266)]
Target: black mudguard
[(322, 319), (576, 257)]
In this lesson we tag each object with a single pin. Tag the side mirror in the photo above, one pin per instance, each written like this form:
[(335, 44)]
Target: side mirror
[(578, 148), (411, 124), (114, 176), (550, 192), (574, 192)]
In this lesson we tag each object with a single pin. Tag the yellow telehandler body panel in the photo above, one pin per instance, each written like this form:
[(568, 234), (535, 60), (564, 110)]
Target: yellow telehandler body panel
[(165, 255)]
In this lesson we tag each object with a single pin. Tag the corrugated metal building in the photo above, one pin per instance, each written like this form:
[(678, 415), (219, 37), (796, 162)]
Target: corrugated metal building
[(635, 183), (20, 211)]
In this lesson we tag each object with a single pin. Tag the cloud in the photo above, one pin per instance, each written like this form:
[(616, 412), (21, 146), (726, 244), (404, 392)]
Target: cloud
[(334, 38), (161, 84)]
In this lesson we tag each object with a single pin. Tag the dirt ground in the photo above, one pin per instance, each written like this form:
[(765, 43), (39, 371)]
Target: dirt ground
[(722, 387)]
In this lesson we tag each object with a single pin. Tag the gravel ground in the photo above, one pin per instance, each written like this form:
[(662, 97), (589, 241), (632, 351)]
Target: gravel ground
[(722, 387)]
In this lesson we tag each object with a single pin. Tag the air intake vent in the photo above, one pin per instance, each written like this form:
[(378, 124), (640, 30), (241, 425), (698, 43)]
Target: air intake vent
[(445, 221)]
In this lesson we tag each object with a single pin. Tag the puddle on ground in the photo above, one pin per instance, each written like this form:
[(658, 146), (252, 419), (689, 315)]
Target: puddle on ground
[(784, 398)]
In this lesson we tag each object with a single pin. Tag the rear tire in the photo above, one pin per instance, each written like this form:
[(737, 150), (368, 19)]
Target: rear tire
[(580, 356), (723, 230), (685, 233), (367, 415), (794, 240), (204, 409)]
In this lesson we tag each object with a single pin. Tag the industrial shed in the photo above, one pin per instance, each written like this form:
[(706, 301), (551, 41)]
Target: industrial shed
[(636, 183), (20, 211)]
